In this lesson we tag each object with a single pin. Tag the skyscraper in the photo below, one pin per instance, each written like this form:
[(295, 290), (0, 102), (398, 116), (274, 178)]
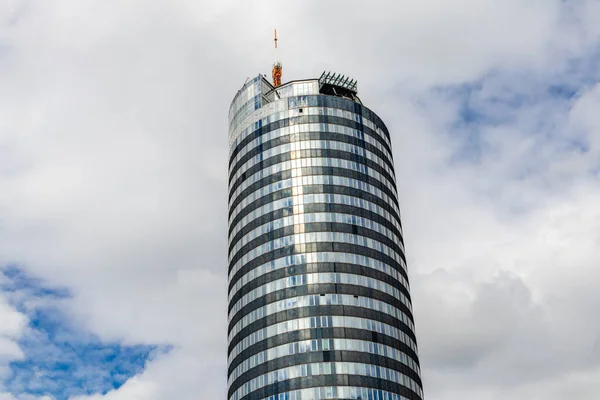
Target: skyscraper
[(319, 302)]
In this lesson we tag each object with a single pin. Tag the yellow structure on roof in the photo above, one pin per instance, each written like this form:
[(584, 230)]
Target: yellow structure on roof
[(277, 68)]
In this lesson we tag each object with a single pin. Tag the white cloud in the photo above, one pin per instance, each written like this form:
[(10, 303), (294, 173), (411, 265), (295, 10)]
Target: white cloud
[(12, 325), (13, 322), (133, 389), (113, 156), (506, 299)]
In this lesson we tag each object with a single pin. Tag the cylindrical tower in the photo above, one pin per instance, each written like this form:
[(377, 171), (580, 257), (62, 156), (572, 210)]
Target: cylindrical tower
[(319, 302)]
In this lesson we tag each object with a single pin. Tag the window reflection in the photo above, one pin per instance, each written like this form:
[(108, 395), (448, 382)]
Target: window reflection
[(316, 322), (374, 185), (311, 180), (319, 198), (320, 257), (308, 218), (319, 278), (298, 150), (315, 237), (278, 115), (325, 368), (327, 299)]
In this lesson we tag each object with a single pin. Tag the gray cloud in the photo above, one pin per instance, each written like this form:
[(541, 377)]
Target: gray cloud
[(113, 150)]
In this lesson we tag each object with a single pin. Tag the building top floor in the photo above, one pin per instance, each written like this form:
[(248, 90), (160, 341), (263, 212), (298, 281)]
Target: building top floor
[(258, 92), (258, 101)]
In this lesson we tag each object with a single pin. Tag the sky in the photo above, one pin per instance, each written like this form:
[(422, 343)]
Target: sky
[(113, 160)]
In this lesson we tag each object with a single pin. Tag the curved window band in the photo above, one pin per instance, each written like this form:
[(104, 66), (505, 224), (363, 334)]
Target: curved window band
[(299, 239), (313, 300), (282, 130), (302, 165), (309, 149), (310, 158), (313, 222), (347, 115), (319, 278), (325, 368), (379, 217), (324, 201), (269, 274), (319, 247), (331, 208), (323, 289), (304, 219), (318, 181), (294, 186), (322, 322), (360, 236), (290, 186), (296, 122), (295, 169), (336, 311), (281, 117), (384, 242), (289, 338), (336, 392), (323, 356), (311, 133), (298, 129), (315, 258), (335, 380), (317, 345), (274, 148), (314, 194), (276, 112)]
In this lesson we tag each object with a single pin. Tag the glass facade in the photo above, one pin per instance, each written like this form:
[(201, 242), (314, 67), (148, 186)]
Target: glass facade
[(319, 301)]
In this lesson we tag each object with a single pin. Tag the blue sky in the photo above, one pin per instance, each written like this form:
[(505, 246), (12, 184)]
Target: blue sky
[(61, 358)]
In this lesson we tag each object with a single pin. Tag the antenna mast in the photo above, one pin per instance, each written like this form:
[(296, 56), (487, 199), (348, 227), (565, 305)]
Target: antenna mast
[(277, 68)]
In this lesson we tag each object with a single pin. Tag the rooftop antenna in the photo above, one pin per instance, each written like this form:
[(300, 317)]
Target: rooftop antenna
[(277, 68)]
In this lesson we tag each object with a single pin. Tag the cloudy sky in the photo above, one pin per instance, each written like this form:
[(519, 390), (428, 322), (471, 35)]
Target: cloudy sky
[(113, 160)]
